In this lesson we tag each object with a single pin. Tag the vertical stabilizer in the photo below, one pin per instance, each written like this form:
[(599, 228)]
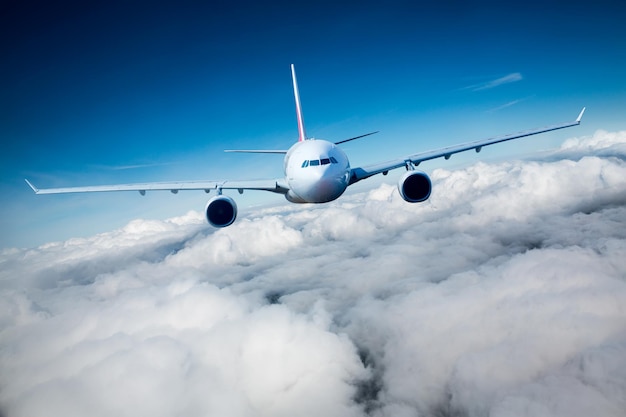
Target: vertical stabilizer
[(301, 131)]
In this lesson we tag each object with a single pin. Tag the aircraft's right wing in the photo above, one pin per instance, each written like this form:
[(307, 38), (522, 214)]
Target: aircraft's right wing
[(360, 173), (276, 186)]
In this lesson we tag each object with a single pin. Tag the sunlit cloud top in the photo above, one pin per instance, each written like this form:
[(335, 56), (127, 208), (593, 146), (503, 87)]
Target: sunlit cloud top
[(503, 293)]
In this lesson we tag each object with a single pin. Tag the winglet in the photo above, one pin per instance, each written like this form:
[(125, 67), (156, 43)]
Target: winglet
[(35, 189), (301, 131), (580, 116)]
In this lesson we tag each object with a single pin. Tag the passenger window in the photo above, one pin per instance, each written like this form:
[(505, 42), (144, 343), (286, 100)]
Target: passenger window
[(314, 162), (325, 161), (305, 164)]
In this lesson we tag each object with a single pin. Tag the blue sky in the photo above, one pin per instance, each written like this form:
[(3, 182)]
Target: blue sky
[(109, 92)]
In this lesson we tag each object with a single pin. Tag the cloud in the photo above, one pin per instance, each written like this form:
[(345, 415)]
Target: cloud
[(502, 295), (507, 79), (136, 166), (506, 105)]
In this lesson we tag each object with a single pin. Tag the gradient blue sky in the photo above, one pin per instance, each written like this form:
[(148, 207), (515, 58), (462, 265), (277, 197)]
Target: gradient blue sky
[(110, 92)]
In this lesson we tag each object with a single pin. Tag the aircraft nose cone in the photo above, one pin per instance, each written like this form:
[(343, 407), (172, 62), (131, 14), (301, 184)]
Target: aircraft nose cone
[(322, 189)]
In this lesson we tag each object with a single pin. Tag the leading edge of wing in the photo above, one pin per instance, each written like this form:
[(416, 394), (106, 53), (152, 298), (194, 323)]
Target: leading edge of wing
[(360, 173), (275, 185)]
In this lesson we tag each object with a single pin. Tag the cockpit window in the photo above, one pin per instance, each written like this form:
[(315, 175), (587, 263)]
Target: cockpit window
[(318, 162)]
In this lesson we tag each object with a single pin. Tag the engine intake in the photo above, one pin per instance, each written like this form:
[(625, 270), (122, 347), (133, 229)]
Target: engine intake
[(221, 211), (415, 186)]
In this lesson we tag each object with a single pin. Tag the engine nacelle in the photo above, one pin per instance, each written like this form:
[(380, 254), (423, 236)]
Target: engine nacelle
[(415, 186), (221, 211)]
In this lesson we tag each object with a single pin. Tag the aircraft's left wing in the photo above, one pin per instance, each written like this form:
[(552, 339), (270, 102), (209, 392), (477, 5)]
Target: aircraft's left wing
[(361, 173), (276, 186)]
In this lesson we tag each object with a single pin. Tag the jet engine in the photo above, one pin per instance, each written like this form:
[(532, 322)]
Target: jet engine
[(221, 211), (415, 186)]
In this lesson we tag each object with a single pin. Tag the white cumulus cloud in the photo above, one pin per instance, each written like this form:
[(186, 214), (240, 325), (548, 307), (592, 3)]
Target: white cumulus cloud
[(502, 295)]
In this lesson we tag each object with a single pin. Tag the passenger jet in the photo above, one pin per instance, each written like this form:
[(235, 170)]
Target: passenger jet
[(316, 171)]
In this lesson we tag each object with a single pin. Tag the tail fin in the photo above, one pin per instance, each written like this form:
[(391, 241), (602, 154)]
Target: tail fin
[(301, 131)]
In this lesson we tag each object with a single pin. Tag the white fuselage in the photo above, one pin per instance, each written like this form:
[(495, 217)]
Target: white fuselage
[(317, 171)]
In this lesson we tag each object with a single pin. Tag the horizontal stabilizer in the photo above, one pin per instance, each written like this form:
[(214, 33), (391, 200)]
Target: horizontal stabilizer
[(256, 151), (356, 137)]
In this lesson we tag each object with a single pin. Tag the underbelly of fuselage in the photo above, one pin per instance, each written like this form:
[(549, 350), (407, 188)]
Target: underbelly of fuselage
[(321, 190)]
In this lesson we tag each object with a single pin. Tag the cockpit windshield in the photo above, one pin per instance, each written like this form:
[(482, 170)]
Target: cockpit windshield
[(318, 162)]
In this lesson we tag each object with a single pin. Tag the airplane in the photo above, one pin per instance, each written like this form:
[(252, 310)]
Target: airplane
[(316, 171)]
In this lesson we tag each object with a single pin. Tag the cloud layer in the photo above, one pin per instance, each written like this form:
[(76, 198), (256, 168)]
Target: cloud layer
[(503, 295)]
